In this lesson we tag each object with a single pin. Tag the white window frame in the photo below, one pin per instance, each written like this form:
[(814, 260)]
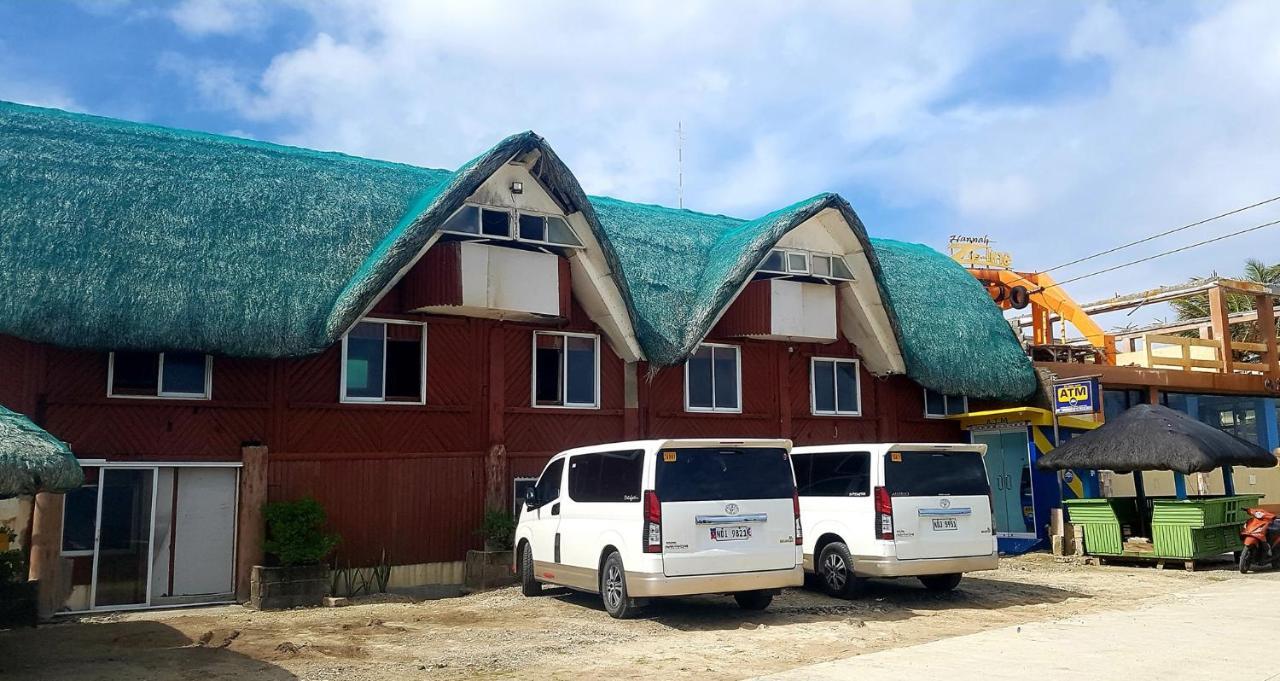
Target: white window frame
[(786, 270), (737, 350), (813, 387), (422, 383), (564, 372), (946, 401), (802, 254), (513, 219), (160, 393)]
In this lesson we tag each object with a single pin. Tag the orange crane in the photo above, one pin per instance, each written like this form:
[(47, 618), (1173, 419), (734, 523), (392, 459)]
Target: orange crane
[(1016, 290)]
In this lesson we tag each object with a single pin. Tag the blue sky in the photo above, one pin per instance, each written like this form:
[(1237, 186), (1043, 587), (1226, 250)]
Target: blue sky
[(1058, 129)]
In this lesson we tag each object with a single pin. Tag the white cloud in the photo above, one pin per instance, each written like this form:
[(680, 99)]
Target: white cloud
[(216, 17), (1149, 128)]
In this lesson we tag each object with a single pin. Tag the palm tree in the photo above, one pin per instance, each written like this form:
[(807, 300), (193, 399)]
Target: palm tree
[(1197, 306)]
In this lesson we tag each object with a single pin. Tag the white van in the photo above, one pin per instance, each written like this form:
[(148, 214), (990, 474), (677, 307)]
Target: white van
[(635, 520), (894, 510)]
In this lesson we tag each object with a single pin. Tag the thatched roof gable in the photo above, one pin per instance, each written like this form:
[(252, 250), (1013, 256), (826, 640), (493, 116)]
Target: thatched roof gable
[(118, 235)]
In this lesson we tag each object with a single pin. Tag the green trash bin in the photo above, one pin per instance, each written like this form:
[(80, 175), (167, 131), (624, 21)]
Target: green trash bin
[(1197, 528), (1101, 520)]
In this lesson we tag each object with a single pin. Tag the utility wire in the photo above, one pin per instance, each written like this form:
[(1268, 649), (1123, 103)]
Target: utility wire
[(1157, 236), (1161, 255)]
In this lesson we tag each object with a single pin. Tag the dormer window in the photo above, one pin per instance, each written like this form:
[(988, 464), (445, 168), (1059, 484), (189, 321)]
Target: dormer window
[(805, 264), (519, 227)]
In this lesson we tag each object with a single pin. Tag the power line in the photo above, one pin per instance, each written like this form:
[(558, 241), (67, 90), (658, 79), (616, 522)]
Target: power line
[(1157, 236), (1161, 255)]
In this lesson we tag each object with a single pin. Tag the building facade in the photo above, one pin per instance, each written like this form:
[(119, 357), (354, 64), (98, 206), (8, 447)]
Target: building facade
[(409, 346)]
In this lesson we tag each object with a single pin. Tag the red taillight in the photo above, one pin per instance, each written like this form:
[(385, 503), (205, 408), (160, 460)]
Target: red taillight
[(884, 514), (795, 506), (652, 539)]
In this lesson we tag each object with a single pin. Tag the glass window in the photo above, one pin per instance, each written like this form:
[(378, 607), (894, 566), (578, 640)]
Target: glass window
[(711, 379), (774, 262), (160, 374), (135, 373), (834, 385), (610, 477), (558, 232), (182, 373), (834, 474), (533, 227), (821, 265), (465, 221), (840, 269), (1116, 401), (931, 474), (798, 262), (1239, 415), (383, 362), (937, 405), (707, 474), (565, 370), (79, 515), (548, 487), (495, 223)]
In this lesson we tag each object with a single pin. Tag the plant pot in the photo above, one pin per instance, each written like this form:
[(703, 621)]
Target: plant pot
[(488, 570), (278, 588), (19, 604)]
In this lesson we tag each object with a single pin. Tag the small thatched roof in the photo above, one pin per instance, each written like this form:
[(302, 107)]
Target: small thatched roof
[(1156, 438), (32, 460), (118, 235), (953, 338)]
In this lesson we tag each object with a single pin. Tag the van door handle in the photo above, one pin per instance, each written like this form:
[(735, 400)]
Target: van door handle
[(555, 508)]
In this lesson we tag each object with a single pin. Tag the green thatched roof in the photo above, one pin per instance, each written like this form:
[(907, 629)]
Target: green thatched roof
[(32, 460), (118, 235), (953, 338)]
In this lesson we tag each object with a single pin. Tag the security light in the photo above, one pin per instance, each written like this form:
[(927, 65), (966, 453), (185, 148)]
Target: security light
[(517, 187)]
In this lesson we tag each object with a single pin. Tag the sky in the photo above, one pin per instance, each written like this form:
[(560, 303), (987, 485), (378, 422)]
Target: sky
[(1057, 129)]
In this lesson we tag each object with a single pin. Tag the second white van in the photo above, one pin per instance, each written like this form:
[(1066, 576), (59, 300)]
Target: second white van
[(636, 520), (894, 510)]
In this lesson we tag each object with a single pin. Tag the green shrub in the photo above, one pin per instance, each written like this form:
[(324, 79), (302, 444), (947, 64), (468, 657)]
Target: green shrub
[(11, 567), (295, 532), (498, 529)]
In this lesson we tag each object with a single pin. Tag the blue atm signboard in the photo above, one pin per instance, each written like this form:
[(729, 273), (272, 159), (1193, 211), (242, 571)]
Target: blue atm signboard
[(1076, 397)]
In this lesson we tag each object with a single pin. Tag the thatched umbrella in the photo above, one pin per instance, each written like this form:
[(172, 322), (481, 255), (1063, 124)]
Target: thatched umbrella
[(32, 460), (1151, 437)]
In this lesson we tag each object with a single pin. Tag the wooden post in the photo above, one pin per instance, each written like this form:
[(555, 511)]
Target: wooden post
[(1267, 329), (250, 525), (631, 401), (45, 551), (1219, 317), (784, 389), (496, 471)]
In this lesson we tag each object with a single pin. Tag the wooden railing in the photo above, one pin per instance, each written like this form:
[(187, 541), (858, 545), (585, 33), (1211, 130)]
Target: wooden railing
[(1197, 354)]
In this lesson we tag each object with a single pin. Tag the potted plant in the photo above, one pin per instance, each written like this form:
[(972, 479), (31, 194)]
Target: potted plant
[(296, 546), (492, 567), (17, 595)]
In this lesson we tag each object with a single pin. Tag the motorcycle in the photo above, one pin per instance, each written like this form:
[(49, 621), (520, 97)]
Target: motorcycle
[(1261, 540)]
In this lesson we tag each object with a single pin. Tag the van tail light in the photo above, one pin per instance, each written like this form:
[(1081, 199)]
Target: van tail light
[(652, 539), (795, 506), (884, 514)]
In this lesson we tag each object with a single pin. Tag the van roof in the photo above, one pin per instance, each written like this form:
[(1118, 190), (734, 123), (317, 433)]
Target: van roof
[(882, 447), (679, 442)]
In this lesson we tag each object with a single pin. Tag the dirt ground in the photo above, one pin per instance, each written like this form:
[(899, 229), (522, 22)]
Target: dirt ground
[(501, 634)]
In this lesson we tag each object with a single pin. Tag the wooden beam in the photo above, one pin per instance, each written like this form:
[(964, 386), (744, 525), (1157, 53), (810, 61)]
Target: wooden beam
[(1267, 329), (1219, 317)]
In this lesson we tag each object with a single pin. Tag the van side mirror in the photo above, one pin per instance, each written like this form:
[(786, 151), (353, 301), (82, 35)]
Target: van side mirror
[(531, 497)]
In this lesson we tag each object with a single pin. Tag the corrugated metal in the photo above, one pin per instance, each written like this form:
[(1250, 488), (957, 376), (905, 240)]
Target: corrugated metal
[(749, 315), (436, 279)]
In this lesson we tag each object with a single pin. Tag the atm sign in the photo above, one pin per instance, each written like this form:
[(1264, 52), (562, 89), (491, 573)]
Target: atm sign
[(1076, 397)]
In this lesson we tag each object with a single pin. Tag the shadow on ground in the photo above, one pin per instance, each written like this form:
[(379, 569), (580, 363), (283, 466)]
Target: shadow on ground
[(125, 650), (885, 600)]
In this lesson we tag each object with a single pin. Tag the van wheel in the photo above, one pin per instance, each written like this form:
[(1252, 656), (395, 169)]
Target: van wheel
[(613, 588), (835, 572), (753, 600), (941, 582), (529, 585)]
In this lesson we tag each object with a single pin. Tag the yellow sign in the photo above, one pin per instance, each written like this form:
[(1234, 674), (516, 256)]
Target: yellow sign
[(668, 457), (976, 251), (1073, 393)]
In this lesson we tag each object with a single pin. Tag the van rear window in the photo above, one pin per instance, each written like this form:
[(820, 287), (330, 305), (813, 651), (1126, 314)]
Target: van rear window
[(932, 474), (713, 473)]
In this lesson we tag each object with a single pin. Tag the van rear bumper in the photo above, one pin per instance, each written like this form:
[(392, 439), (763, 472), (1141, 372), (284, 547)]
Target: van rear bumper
[(888, 566), (648, 585)]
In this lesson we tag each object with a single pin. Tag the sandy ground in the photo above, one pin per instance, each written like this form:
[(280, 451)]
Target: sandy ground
[(501, 634)]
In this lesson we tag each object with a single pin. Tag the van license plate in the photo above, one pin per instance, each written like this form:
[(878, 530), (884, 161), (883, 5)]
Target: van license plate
[(942, 524), (735, 533)]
